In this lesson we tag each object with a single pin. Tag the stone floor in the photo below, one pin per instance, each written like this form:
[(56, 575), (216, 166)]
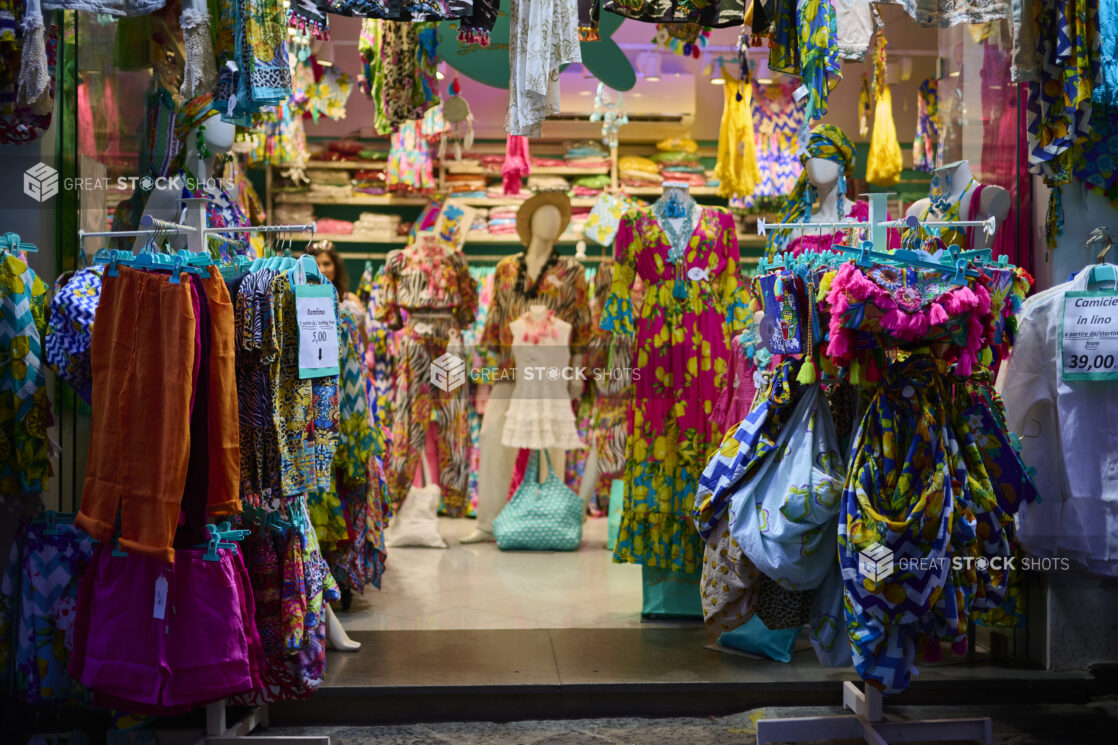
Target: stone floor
[(1094, 723), (479, 587)]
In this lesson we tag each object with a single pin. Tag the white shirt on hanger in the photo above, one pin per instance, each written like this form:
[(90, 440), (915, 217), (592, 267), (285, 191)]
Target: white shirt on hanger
[(1069, 434)]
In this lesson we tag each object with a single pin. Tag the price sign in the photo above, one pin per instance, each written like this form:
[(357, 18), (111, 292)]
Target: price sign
[(1089, 336), (315, 309)]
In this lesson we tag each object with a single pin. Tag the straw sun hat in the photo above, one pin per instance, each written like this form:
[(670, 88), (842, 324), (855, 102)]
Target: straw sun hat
[(524, 214)]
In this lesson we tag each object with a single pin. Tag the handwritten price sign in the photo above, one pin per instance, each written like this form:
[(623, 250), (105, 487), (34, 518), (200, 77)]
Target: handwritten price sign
[(1089, 336)]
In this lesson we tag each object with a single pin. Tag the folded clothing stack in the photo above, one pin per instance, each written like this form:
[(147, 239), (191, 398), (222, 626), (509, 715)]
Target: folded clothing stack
[(329, 191), (461, 184), (502, 220), (548, 162), (589, 186), (330, 226), (377, 224), (548, 183), (343, 150), (637, 171), (293, 214), (369, 181), (328, 176)]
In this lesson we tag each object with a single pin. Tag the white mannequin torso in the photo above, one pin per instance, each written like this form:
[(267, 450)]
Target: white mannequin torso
[(993, 201)]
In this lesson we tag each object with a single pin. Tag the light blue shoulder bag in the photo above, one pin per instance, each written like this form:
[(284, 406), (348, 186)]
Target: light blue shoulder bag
[(540, 517)]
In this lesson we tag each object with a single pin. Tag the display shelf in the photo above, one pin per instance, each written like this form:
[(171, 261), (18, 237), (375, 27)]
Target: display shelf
[(513, 201), (476, 236), (472, 169), (351, 238), (348, 165), (655, 191), (361, 200)]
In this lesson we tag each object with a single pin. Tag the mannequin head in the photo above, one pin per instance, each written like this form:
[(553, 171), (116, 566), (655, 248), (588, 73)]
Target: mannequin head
[(545, 223), (219, 135), (822, 173)]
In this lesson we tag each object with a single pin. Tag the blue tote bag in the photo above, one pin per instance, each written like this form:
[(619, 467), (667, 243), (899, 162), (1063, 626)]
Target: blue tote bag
[(540, 517)]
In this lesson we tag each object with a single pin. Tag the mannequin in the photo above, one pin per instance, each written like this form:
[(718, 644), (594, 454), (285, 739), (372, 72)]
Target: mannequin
[(336, 637), (824, 175), (681, 190), (164, 201), (994, 201), (545, 224)]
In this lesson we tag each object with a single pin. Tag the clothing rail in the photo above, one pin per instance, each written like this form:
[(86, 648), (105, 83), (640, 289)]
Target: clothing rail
[(381, 256), (266, 229), (989, 225), (154, 223)]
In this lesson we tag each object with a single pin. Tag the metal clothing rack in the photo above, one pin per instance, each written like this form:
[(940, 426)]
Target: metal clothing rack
[(217, 731), (878, 227)]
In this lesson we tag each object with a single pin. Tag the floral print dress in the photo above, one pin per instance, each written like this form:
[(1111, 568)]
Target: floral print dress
[(682, 351)]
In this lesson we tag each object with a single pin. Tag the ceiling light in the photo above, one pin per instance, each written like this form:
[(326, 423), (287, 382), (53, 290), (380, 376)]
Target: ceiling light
[(439, 75), (717, 81), (651, 67), (765, 81)]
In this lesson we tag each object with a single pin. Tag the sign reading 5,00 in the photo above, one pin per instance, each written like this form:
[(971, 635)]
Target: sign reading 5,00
[(1089, 336)]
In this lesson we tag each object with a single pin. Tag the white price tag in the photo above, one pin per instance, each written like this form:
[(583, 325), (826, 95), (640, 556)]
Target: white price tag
[(800, 93), (318, 330), (160, 610), (1089, 336)]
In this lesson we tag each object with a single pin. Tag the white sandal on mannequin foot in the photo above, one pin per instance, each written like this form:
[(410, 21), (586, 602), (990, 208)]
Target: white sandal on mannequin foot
[(479, 536), (336, 637)]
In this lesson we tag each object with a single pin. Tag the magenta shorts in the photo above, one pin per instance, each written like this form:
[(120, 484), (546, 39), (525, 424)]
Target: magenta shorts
[(166, 635)]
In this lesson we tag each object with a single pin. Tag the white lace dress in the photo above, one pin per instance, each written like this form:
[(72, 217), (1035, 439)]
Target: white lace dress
[(540, 416), (543, 36)]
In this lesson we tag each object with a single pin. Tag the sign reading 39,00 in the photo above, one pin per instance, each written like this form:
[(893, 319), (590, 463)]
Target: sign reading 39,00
[(1089, 336)]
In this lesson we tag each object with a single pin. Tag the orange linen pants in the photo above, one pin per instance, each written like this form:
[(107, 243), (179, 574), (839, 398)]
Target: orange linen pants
[(143, 354)]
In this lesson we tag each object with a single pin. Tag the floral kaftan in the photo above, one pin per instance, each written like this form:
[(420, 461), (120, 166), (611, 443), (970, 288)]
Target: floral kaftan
[(682, 356)]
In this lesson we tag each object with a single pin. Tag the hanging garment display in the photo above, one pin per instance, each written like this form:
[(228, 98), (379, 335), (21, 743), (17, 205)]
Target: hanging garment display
[(737, 170), (38, 597), (715, 14), (398, 62), (539, 414), (853, 28), (543, 37), (27, 54), (70, 331), (777, 117), (805, 43), (681, 348), (884, 162), (426, 291), (933, 484), (1060, 417), (25, 411), (927, 129)]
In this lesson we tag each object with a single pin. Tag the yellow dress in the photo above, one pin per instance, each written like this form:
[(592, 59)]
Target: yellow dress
[(883, 166), (737, 169)]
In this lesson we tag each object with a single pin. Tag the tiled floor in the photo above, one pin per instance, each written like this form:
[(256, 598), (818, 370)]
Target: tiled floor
[(479, 587)]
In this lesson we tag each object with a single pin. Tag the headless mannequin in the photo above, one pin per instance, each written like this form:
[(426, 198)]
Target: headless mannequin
[(993, 202), (497, 461), (164, 201), (682, 191)]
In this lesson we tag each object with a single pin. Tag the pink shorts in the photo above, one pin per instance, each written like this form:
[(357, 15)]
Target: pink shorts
[(198, 645)]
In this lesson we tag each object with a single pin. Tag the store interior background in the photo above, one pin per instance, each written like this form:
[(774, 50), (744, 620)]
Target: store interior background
[(478, 587)]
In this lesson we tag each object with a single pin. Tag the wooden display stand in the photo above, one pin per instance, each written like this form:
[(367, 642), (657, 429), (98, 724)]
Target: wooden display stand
[(866, 723)]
